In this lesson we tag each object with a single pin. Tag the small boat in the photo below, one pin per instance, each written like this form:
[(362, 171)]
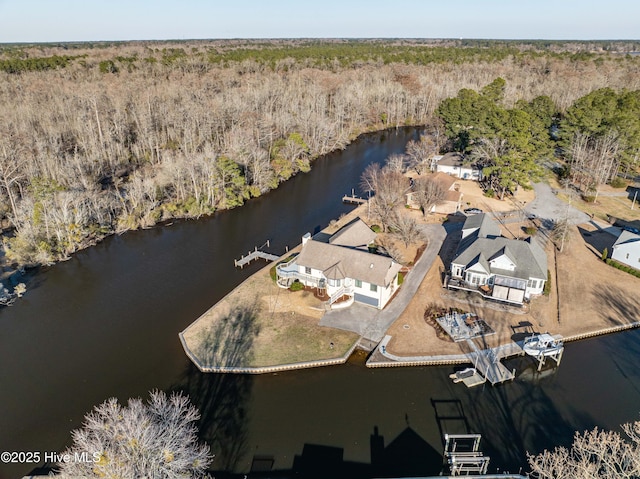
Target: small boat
[(463, 374), (542, 345)]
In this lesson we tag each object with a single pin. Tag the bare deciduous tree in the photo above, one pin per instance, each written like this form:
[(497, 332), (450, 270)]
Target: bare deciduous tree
[(428, 192), (560, 233), (157, 439), (593, 454), (420, 153), (594, 161), (405, 228), (396, 162), (389, 187)]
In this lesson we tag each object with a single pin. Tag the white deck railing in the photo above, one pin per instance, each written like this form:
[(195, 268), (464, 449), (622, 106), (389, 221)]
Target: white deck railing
[(348, 290)]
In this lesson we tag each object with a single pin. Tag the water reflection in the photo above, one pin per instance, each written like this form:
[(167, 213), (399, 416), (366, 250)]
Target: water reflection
[(106, 324)]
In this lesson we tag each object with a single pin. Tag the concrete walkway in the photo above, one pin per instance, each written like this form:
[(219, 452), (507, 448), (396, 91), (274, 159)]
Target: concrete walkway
[(371, 323)]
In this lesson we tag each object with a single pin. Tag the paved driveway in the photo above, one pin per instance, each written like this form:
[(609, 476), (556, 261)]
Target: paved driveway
[(548, 206), (372, 323)]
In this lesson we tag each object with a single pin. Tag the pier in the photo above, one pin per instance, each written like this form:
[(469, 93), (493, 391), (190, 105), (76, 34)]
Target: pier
[(255, 254), (353, 199), (487, 363)]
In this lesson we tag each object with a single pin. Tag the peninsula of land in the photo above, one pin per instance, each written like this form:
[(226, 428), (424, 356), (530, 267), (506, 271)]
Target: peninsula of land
[(260, 327)]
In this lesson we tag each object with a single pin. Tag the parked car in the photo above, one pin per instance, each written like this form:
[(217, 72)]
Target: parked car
[(473, 211)]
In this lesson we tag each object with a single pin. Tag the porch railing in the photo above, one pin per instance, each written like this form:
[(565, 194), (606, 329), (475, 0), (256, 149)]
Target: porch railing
[(343, 290)]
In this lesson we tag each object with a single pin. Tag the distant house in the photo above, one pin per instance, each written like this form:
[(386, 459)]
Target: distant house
[(342, 266), (453, 164), (452, 201), (626, 249), (499, 268)]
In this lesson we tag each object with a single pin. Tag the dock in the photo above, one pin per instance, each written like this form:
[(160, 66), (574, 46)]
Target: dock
[(255, 254), (487, 362), (463, 326), (353, 200)]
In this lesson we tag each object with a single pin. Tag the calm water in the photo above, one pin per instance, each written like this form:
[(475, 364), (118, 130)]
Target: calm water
[(105, 323)]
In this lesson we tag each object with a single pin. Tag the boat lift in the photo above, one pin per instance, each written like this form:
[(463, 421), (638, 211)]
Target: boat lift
[(543, 346), (462, 452)]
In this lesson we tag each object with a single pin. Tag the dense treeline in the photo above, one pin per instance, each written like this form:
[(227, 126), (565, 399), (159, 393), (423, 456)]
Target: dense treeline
[(599, 135), (134, 134)]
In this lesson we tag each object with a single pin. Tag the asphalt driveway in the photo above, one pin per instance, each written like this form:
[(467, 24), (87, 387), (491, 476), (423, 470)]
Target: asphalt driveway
[(548, 206), (372, 323)]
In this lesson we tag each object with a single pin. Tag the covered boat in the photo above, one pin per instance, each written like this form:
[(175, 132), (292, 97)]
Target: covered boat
[(542, 345)]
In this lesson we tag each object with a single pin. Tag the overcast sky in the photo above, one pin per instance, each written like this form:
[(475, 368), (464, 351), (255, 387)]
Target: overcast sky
[(78, 20)]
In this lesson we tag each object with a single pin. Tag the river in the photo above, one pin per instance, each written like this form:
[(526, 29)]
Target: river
[(106, 322)]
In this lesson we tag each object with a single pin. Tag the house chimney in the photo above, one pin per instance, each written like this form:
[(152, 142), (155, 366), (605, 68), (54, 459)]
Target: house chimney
[(305, 238)]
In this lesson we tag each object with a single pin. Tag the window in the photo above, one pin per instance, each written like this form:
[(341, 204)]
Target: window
[(307, 270), (373, 287), (358, 283), (534, 283)]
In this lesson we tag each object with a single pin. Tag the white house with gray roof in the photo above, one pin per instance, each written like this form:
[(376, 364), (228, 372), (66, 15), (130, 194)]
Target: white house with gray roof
[(341, 265), (626, 249), (454, 164), (499, 268)]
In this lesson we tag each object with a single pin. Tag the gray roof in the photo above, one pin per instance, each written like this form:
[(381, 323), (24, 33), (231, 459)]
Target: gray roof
[(451, 159), (355, 234), (478, 226), (529, 258), (484, 223), (455, 159), (338, 262), (625, 238)]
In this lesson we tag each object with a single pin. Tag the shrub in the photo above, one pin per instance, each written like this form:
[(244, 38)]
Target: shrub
[(400, 278), (376, 228), (622, 267), (296, 286), (273, 274), (618, 182), (589, 198), (605, 254), (530, 230), (490, 193), (547, 284)]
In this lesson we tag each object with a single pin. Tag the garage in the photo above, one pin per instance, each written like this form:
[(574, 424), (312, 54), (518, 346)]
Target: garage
[(361, 298)]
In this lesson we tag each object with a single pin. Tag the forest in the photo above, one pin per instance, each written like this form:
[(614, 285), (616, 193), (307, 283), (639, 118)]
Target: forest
[(97, 139)]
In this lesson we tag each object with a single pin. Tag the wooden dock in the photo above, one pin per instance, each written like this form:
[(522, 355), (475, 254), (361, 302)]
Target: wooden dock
[(353, 200), (255, 254)]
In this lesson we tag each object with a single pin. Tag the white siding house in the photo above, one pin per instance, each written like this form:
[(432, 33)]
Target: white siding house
[(626, 249), (454, 164), (499, 268), (343, 266)]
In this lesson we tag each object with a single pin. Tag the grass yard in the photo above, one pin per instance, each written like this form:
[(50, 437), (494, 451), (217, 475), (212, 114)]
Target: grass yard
[(616, 206)]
